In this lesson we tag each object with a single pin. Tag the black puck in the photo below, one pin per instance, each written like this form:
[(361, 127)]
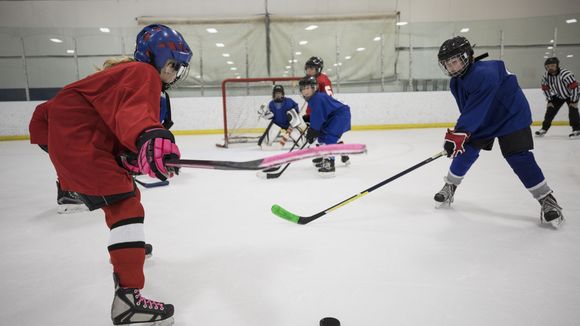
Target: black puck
[(329, 321)]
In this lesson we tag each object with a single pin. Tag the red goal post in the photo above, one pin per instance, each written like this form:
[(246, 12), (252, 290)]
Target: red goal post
[(241, 99)]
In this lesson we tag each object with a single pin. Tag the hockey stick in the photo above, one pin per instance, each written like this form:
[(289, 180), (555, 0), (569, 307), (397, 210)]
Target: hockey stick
[(264, 135), (270, 161), (276, 172), (281, 212), (151, 184)]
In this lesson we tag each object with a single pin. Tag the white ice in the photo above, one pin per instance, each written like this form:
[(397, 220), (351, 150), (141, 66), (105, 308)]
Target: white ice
[(388, 258)]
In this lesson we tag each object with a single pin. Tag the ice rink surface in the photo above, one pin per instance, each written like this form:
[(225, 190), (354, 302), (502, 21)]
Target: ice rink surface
[(389, 258)]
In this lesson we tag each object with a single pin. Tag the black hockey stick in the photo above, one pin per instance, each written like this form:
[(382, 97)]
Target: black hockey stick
[(151, 184), (270, 161), (281, 212), (276, 172), (264, 135)]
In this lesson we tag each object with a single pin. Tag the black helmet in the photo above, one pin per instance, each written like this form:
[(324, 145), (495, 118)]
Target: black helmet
[(315, 62), (308, 81), (278, 89), (551, 61), (457, 47)]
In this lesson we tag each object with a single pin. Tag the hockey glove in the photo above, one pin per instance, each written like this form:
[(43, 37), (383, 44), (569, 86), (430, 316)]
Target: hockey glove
[(454, 141), (130, 162), (155, 147), (311, 135), (265, 112)]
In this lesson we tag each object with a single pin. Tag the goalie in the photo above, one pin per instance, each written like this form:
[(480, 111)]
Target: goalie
[(284, 113)]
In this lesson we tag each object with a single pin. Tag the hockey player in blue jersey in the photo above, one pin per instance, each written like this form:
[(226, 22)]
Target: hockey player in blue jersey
[(278, 111), (492, 105), (329, 119)]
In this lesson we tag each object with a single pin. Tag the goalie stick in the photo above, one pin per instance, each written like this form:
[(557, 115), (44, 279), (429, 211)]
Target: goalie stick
[(270, 161), (151, 184), (281, 212)]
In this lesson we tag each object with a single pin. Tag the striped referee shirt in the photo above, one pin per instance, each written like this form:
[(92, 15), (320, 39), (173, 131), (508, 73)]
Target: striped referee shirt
[(563, 85)]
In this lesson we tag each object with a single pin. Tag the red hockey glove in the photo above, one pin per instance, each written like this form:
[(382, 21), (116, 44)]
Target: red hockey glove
[(155, 147), (454, 141)]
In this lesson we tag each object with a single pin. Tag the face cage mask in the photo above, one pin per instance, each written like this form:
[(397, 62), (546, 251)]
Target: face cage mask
[(182, 73), (462, 57)]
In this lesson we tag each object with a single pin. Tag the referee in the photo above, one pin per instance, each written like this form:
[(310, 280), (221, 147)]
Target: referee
[(559, 86)]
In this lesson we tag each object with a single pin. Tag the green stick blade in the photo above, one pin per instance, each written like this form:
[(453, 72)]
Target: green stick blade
[(281, 212)]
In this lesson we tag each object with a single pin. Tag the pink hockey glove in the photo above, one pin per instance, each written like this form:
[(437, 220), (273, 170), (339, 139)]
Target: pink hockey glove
[(130, 162), (454, 141), (155, 147)]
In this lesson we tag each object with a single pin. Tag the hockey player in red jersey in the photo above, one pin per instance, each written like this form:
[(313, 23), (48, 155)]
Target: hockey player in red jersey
[(89, 124)]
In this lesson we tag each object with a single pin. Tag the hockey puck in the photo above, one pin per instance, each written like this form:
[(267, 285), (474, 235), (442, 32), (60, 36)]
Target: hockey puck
[(329, 321)]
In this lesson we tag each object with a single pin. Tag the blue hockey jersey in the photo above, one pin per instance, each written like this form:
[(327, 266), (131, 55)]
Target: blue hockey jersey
[(279, 110), (329, 116), (490, 100)]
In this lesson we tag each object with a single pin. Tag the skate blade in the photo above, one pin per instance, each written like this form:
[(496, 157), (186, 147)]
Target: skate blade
[(443, 205), (71, 208), (165, 322), (326, 175), (557, 223)]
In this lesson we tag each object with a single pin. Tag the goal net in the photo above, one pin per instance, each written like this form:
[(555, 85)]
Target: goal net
[(241, 100)]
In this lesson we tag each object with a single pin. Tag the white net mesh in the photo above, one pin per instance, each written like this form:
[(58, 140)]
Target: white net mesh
[(242, 99)]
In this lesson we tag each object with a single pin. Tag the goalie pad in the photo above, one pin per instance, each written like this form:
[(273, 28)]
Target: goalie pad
[(296, 120), (265, 113)]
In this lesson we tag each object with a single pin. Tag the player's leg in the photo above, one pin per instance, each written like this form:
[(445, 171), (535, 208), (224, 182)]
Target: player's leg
[(516, 149), (457, 171), (551, 112), (574, 118), (125, 219)]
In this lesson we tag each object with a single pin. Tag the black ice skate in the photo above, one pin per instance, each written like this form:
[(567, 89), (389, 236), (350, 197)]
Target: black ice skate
[(541, 132), (317, 162), (551, 212), (130, 308), (327, 169), (575, 134), (68, 201), (445, 195)]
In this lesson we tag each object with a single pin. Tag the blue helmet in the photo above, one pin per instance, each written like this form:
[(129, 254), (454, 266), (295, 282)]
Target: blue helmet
[(157, 43)]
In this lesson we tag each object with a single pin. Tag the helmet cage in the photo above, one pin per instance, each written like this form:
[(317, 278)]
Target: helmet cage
[(463, 57), (308, 81)]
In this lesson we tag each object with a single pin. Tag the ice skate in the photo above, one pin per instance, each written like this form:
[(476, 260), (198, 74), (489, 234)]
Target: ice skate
[(575, 134), (317, 162), (445, 196), (345, 159), (131, 308), (541, 133), (69, 201), (327, 169), (551, 212)]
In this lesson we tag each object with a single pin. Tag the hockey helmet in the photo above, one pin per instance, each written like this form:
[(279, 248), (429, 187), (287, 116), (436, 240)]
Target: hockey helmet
[(278, 89), (308, 81), (316, 63), (456, 48), (158, 43)]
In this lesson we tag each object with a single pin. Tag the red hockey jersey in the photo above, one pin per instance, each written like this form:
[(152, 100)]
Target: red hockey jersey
[(90, 121), (324, 86)]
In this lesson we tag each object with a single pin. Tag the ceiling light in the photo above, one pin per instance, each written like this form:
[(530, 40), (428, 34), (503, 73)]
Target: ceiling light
[(311, 27), (401, 23), (104, 30), (211, 30), (360, 49), (348, 57), (226, 55), (233, 68), (220, 45), (545, 57), (70, 51), (464, 30), (298, 53), (287, 67), (230, 62), (551, 41), (56, 40), (571, 21), (378, 38), (570, 56), (303, 42), (550, 47)]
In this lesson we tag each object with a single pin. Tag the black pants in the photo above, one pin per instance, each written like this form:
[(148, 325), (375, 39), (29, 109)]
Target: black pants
[(551, 112)]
